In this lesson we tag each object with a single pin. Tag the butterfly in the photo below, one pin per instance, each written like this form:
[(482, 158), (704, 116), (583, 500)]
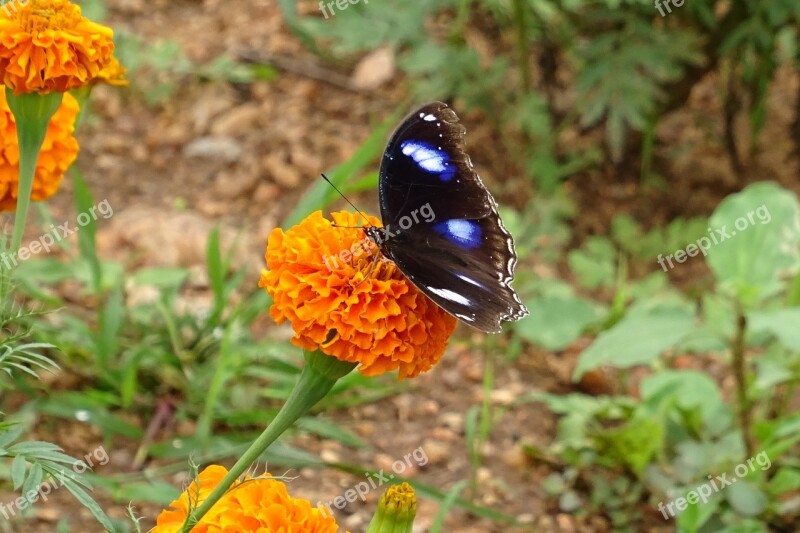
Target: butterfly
[(440, 223)]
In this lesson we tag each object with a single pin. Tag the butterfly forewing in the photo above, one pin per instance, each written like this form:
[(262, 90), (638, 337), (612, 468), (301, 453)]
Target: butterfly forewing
[(425, 162), (445, 233)]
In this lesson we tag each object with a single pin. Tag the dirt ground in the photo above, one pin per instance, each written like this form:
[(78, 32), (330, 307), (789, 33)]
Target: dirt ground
[(241, 157)]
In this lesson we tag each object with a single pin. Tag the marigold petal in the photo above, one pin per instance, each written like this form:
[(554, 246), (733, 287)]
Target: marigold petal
[(48, 46), (321, 281), (260, 505)]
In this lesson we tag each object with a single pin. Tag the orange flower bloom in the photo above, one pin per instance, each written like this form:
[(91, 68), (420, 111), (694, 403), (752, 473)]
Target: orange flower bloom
[(260, 505), (59, 151), (46, 46), (380, 321), (113, 74)]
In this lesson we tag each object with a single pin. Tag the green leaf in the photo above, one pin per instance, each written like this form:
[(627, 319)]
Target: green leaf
[(717, 328), (657, 242), (329, 430), (368, 25), (222, 372), (129, 376), (595, 263), (34, 479), (152, 491), (772, 369), (555, 322), (746, 498), (42, 450), (782, 323), (696, 515), (66, 405), (637, 339), (786, 480), (216, 273), (634, 443), (82, 271), (111, 319), (9, 435), (687, 389), (570, 501), (289, 11), (650, 58), (447, 504), (43, 271), (18, 471), (763, 247), (163, 277), (553, 485), (84, 205), (87, 501)]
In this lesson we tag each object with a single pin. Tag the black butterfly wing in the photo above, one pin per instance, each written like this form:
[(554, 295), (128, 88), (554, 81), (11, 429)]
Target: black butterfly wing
[(425, 162), (455, 249)]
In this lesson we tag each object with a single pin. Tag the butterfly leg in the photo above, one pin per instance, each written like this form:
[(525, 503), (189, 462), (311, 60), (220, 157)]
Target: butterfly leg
[(377, 257)]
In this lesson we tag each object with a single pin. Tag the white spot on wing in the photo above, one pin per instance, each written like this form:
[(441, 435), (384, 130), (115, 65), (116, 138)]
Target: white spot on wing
[(470, 280), (426, 157), (449, 295), (461, 231), (428, 118)]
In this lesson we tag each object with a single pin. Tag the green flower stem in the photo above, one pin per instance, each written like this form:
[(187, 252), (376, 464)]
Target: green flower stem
[(32, 113), (82, 94), (319, 375), (739, 363)]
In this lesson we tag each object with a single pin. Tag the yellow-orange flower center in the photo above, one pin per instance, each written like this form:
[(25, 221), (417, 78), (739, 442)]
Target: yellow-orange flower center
[(46, 15)]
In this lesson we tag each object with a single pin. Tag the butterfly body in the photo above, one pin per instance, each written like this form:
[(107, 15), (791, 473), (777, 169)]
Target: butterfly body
[(441, 225)]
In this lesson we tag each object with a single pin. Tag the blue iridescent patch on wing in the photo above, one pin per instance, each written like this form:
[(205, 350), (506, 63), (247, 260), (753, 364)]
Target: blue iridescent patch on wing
[(466, 233), (429, 158)]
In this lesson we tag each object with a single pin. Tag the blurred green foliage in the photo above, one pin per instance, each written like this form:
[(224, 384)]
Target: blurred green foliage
[(627, 66), (680, 426)]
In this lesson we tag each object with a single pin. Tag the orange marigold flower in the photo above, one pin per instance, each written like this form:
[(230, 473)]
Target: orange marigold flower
[(113, 74), (260, 505), (319, 278), (58, 152), (47, 45)]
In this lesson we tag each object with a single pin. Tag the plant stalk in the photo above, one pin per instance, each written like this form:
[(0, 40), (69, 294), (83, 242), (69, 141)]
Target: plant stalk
[(319, 375), (739, 362)]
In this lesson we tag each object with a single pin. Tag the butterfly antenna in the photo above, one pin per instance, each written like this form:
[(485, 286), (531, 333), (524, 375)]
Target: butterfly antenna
[(335, 188)]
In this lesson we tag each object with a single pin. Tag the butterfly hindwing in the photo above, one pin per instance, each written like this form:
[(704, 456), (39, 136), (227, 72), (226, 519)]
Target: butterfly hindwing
[(460, 255)]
